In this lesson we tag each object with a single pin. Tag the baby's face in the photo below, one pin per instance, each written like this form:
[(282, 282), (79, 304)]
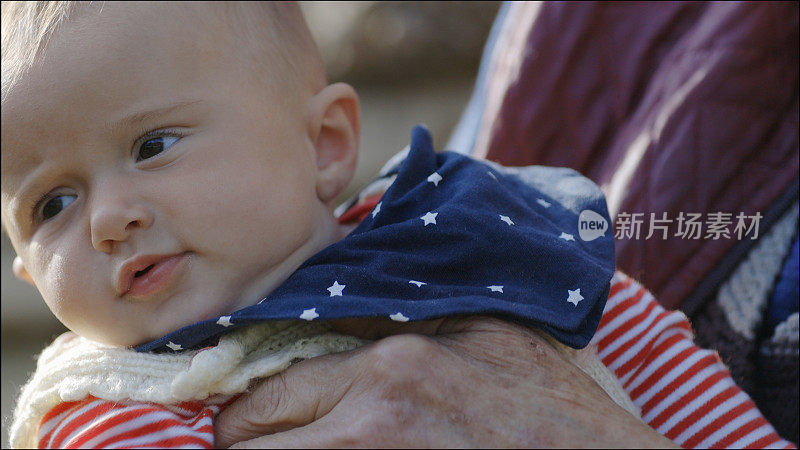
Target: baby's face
[(148, 182)]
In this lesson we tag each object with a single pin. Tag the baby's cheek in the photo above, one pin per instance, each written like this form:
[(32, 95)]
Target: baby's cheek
[(64, 284)]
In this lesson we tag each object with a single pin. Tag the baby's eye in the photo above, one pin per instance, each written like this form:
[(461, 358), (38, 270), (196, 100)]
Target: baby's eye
[(55, 205), (153, 147)]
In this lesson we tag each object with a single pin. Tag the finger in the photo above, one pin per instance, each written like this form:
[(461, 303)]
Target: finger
[(295, 397), (315, 435)]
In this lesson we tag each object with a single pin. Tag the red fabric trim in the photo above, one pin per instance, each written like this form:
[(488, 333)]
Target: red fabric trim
[(359, 211)]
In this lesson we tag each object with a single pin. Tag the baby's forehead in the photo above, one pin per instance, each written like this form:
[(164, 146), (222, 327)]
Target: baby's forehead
[(15, 163), (15, 167)]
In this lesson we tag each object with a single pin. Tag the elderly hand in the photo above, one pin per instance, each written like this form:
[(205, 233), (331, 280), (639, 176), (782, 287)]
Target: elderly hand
[(474, 382)]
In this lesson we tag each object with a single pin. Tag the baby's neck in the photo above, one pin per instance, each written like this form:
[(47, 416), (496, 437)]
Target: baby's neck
[(278, 274)]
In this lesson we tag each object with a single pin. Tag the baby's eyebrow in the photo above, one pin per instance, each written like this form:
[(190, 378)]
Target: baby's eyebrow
[(29, 183), (30, 178), (150, 114)]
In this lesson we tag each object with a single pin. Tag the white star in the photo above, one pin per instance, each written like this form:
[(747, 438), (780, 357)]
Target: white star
[(435, 178), (225, 321), (309, 314), (506, 219), (399, 317), (376, 210), (567, 236), (429, 218), (175, 347), (574, 296), (543, 202), (491, 175), (418, 283), (495, 288), (336, 289)]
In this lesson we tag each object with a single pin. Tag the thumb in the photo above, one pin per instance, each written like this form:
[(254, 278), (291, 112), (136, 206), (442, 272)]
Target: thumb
[(293, 398)]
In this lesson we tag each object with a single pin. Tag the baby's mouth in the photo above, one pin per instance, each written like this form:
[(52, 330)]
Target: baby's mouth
[(154, 273), (143, 271)]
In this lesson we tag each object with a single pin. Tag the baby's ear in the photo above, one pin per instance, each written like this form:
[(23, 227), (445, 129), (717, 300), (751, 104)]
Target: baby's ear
[(334, 120), (20, 272)]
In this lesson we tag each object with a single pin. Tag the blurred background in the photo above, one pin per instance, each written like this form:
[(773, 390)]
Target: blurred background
[(411, 63)]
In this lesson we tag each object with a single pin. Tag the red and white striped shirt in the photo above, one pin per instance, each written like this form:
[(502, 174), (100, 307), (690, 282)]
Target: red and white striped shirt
[(684, 392), (97, 423)]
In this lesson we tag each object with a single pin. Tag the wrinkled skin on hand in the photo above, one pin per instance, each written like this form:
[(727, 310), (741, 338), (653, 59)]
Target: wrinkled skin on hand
[(457, 382)]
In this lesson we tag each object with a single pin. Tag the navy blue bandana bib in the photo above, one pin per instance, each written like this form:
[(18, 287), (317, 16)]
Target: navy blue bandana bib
[(453, 236)]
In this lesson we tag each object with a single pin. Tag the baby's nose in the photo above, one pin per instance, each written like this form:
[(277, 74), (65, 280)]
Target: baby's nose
[(114, 220)]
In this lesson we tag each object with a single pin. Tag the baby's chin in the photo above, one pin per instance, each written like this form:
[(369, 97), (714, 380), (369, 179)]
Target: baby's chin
[(160, 323), (168, 327), (213, 312), (111, 340), (116, 337), (142, 335)]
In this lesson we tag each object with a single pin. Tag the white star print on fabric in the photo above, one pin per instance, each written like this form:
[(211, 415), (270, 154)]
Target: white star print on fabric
[(399, 317), (567, 236), (309, 314), (175, 347), (574, 296), (429, 218), (336, 289), (455, 257)]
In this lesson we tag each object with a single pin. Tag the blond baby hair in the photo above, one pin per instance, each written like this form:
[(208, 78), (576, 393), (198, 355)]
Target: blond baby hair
[(276, 32)]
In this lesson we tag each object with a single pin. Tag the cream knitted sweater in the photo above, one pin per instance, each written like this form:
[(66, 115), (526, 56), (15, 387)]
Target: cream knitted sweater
[(72, 368)]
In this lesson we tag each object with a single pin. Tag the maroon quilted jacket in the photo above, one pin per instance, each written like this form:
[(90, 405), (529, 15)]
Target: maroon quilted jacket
[(670, 107)]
